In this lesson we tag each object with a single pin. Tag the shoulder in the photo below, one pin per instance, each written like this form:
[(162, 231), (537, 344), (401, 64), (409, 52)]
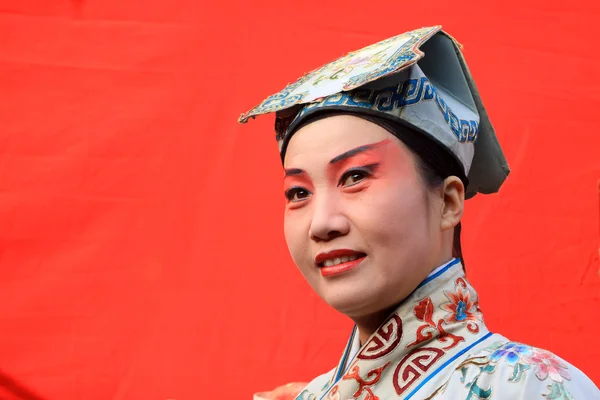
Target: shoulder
[(519, 371), (315, 386)]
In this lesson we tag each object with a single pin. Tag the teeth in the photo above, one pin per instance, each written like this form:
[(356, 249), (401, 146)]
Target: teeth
[(338, 260)]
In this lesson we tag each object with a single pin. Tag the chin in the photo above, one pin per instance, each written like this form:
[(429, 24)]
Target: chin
[(351, 300)]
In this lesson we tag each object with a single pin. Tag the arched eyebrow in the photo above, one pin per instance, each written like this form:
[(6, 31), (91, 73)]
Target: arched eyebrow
[(294, 172), (358, 150), (348, 154)]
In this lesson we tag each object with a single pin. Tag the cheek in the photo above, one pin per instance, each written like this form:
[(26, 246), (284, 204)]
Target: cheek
[(392, 214), (295, 229)]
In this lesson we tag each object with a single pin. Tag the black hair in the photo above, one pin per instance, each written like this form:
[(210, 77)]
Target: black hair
[(435, 162)]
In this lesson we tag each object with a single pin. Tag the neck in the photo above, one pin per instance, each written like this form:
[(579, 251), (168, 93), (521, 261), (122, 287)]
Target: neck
[(367, 325)]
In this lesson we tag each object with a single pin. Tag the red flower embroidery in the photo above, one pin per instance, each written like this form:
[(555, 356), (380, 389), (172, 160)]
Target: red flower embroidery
[(461, 308), (363, 384), (547, 365), (424, 312)]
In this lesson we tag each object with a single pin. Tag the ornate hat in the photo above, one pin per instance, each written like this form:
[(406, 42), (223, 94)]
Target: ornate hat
[(419, 79)]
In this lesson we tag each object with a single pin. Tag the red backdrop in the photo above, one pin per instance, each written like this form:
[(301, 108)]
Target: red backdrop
[(142, 254)]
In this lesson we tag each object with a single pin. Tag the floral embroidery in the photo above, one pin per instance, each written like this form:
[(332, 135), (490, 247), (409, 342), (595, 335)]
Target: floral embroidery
[(558, 392), (544, 364), (522, 358), (461, 308), (424, 312), (512, 352), (475, 391), (547, 365), (364, 384)]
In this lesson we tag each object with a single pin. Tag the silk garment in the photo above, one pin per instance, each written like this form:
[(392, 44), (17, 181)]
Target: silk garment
[(435, 345)]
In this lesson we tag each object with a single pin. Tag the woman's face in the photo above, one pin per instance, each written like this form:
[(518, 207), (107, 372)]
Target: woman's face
[(359, 222)]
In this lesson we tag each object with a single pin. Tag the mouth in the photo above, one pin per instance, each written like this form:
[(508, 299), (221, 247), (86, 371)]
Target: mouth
[(338, 261)]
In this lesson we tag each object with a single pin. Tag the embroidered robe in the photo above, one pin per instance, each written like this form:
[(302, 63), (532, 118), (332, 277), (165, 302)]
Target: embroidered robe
[(435, 346)]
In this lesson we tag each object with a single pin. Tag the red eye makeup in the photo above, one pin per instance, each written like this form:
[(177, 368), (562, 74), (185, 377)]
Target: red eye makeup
[(363, 160), (297, 185)]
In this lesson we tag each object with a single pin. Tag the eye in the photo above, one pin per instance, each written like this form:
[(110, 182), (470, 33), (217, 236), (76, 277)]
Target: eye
[(354, 176), (296, 194)]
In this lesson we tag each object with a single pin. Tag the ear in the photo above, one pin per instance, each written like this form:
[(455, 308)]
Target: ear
[(453, 193)]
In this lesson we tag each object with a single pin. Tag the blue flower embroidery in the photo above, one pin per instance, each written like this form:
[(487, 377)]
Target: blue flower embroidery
[(511, 351), (461, 308)]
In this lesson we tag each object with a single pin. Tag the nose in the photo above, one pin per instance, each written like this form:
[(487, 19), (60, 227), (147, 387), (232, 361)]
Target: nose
[(328, 220)]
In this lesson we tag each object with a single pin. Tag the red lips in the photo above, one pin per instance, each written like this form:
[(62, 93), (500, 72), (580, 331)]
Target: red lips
[(321, 257)]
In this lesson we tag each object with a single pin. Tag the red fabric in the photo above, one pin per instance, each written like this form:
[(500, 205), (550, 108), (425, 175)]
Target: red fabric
[(141, 245)]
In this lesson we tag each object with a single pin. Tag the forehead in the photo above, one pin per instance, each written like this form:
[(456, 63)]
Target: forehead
[(324, 139)]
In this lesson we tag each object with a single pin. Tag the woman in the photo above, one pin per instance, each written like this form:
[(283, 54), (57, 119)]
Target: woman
[(380, 150)]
